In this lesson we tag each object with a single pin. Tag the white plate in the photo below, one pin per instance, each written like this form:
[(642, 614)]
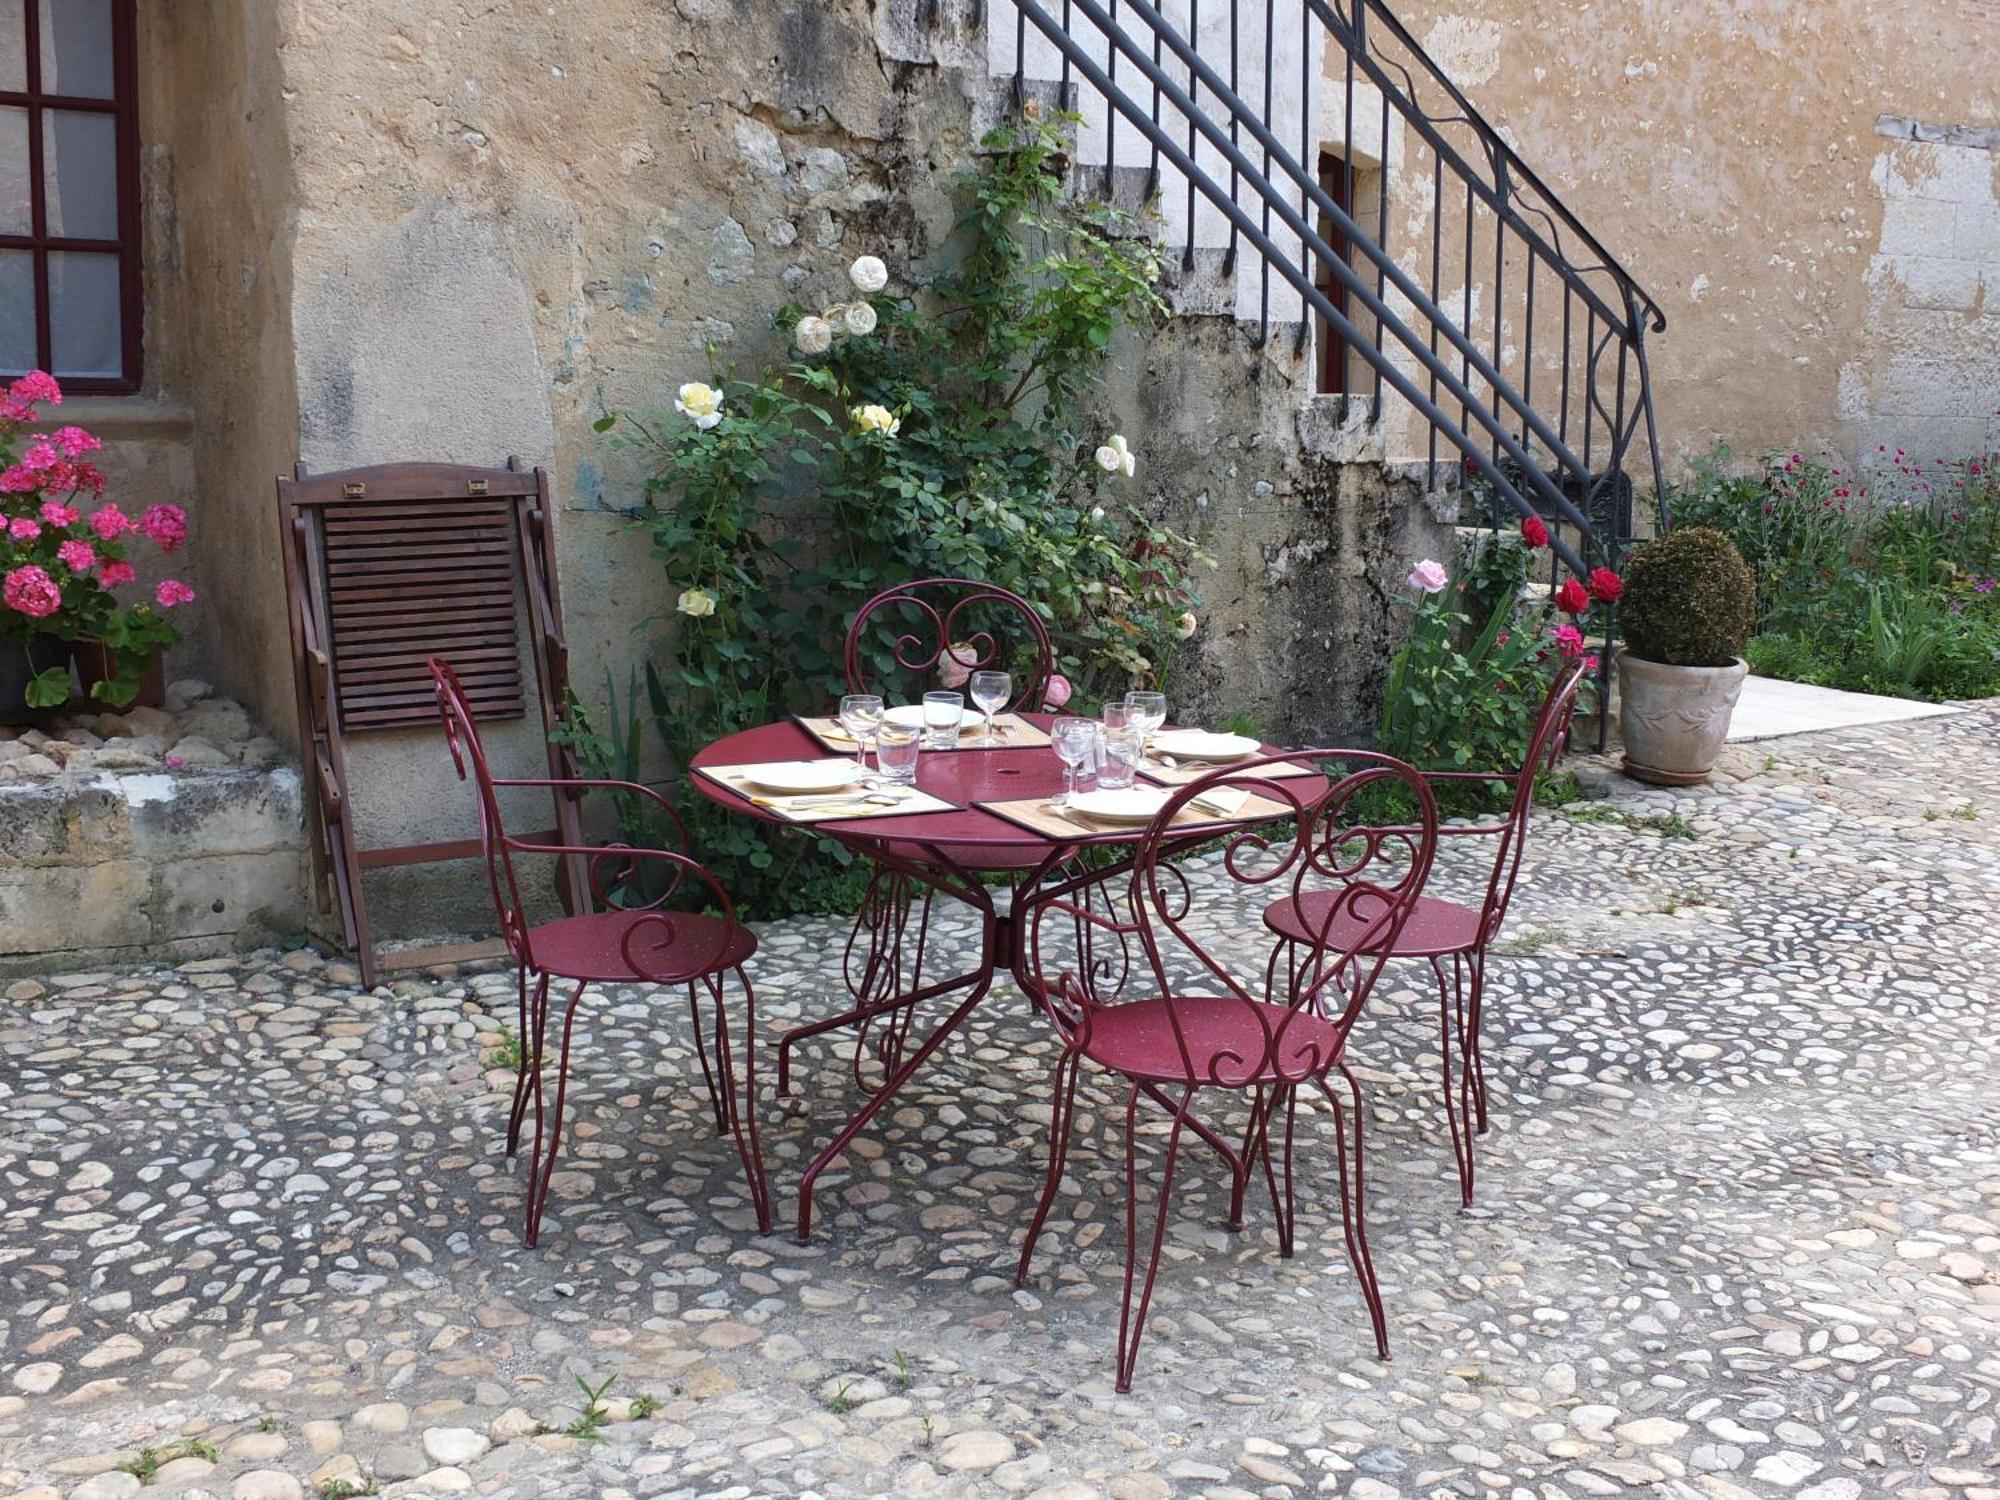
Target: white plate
[(1200, 744), (803, 776), (1130, 804), (911, 716)]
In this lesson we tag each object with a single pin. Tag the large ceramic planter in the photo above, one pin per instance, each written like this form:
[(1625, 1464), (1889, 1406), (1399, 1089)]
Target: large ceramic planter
[(95, 663), (20, 660), (1675, 719)]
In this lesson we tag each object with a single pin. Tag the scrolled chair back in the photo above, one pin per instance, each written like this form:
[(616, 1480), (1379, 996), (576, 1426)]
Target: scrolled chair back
[(461, 735), (906, 631), (1186, 931), (1547, 743)]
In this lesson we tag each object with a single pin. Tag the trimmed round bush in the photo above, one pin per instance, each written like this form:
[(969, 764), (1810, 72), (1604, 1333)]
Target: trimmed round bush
[(1690, 599)]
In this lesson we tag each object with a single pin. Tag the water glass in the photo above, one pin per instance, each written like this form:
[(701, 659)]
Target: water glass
[(1148, 712), (896, 750), (860, 716), (1075, 742), (944, 716), (1123, 748), (990, 692)]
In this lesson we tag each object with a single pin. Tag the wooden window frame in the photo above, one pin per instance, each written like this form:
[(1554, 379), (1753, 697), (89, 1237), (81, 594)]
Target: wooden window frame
[(123, 107)]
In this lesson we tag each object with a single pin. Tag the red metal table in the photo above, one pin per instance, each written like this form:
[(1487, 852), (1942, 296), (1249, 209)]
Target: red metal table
[(947, 853)]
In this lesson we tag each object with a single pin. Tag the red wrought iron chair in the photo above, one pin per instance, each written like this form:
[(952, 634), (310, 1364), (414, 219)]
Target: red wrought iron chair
[(1178, 1022), (896, 645), (615, 943), (1441, 929)]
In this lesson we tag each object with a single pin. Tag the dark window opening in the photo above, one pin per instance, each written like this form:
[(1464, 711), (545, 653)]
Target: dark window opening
[(1337, 181), (69, 193)]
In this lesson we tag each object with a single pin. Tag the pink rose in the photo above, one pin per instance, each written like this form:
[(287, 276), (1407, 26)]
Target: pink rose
[(30, 591), (1429, 576), (166, 525), (21, 529), (113, 573), (36, 385), (110, 523), (78, 557), (171, 592), (1569, 641), (58, 514), (956, 664), (1058, 691)]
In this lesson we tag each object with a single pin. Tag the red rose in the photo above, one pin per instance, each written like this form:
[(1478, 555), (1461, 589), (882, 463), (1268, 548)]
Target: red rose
[(1571, 598), (1606, 586), (1534, 533)]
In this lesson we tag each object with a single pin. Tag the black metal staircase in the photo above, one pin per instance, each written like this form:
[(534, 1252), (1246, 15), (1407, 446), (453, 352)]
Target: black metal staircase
[(1516, 336)]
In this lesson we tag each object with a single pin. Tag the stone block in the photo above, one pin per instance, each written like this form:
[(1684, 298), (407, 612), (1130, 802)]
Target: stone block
[(180, 817), (1918, 226), (1939, 283), (251, 896), (48, 909)]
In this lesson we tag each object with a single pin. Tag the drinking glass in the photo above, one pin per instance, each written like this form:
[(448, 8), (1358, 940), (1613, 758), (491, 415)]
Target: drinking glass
[(944, 716), (896, 750), (1149, 712), (860, 716), (1123, 749), (1117, 715), (990, 692), (1075, 742)]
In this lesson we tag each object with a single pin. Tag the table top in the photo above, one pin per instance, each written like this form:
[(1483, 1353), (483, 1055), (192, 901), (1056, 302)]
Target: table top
[(964, 777)]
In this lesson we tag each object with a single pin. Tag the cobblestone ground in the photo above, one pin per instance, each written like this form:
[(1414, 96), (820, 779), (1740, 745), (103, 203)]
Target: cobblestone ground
[(1738, 1233)]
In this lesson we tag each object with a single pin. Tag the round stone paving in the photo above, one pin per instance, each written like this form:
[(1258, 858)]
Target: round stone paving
[(1738, 1230)]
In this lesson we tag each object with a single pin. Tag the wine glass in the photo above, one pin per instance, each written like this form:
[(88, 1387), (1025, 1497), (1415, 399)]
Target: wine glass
[(860, 713), (1149, 712), (1075, 741), (990, 692)]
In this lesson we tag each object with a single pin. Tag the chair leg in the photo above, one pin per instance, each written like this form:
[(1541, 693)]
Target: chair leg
[(1255, 1139), (528, 1040), (1132, 1320), (1461, 1125), (543, 1165), (1354, 1206), (740, 1116), (1286, 1207), (1069, 1068), (715, 1095), (1475, 1053)]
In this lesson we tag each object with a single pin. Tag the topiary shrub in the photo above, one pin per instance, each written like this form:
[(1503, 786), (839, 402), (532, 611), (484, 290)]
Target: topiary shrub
[(1690, 599)]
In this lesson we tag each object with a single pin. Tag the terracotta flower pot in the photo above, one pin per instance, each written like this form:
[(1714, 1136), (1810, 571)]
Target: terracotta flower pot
[(20, 660), (95, 663), (1674, 719)]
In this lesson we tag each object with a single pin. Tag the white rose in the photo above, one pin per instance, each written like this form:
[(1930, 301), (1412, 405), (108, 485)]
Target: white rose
[(868, 274), (860, 318), (814, 335), (700, 404), (872, 418), (697, 602), (1116, 458), (1186, 626)]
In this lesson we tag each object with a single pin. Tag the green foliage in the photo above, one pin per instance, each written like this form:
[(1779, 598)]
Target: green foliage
[(950, 435), (340, 1487), (1690, 599), (589, 1426), (149, 1461)]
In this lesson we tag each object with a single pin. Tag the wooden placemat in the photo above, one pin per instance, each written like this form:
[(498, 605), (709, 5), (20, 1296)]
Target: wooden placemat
[(1188, 771), (815, 808), (1010, 732), (1037, 814)]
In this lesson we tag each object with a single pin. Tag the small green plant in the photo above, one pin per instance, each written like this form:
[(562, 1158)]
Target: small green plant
[(930, 1432), (644, 1405), (508, 1051), (840, 1402), (341, 1487), (267, 1424), (1690, 600), (905, 1375), (150, 1460), (589, 1426)]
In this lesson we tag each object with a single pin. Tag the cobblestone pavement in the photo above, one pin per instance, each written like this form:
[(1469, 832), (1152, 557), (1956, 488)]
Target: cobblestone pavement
[(1738, 1233)]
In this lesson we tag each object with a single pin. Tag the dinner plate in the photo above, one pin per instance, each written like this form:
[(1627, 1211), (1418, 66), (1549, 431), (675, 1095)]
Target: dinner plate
[(911, 716), (1125, 805), (1200, 744), (803, 776)]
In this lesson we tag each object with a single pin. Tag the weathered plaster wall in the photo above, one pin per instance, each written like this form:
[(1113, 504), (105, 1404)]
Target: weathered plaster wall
[(1824, 284)]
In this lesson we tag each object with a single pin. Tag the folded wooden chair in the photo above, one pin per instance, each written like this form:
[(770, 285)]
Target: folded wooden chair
[(386, 567)]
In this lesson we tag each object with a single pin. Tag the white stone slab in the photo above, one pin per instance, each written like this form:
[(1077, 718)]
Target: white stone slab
[(1770, 708)]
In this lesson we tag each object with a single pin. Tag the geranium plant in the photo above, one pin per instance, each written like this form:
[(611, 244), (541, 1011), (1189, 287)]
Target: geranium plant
[(63, 552)]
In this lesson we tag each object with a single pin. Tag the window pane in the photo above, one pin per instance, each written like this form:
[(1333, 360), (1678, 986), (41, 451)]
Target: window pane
[(13, 47), (80, 174), (16, 210), (84, 327), (76, 48), (17, 311)]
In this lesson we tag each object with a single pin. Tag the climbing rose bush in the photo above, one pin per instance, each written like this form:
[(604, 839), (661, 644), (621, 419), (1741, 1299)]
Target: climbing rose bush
[(63, 550)]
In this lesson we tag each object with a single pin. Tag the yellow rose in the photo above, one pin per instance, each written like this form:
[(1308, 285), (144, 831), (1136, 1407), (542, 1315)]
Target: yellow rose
[(700, 404), (697, 602), (872, 418)]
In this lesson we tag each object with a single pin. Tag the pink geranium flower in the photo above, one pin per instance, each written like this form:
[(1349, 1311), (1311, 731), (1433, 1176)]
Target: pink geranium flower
[(1569, 641), (21, 529), (58, 514), (36, 385), (171, 592), (13, 410), (78, 557), (30, 591), (166, 525), (74, 441), (110, 523), (41, 456), (19, 480), (113, 572)]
